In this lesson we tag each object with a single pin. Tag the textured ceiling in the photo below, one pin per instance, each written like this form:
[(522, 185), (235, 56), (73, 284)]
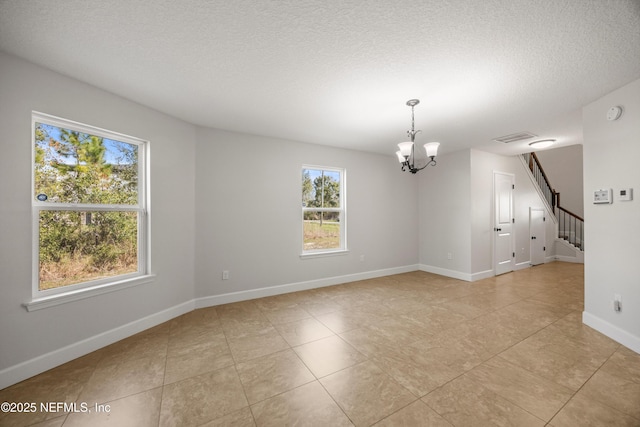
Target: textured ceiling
[(339, 72)]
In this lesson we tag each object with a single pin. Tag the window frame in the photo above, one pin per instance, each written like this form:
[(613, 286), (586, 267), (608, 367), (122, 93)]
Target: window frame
[(342, 214), (55, 296)]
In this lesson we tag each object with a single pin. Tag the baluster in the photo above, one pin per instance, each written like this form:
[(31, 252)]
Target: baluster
[(574, 232)]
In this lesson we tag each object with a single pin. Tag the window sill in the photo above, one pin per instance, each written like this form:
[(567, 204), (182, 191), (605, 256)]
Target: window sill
[(323, 254), (63, 298)]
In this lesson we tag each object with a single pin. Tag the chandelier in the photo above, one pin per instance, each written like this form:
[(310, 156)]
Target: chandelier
[(406, 154)]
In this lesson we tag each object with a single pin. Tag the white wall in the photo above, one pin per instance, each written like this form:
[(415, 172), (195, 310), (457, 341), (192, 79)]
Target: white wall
[(445, 216), (242, 214), (456, 214), (26, 336), (563, 167), (525, 197), (230, 201), (249, 215), (611, 153)]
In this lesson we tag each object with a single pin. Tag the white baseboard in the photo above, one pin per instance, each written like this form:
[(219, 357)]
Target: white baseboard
[(482, 275), (445, 272), (615, 333), (295, 287), (563, 258), (37, 365), (522, 265), (42, 363), (467, 277)]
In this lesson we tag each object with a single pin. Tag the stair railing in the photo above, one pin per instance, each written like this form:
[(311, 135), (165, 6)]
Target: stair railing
[(541, 178), (570, 225)]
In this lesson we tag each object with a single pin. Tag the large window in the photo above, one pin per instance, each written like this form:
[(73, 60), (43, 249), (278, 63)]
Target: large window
[(323, 210), (89, 206)]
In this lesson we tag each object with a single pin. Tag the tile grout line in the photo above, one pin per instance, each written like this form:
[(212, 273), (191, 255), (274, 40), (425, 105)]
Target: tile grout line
[(495, 355), (535, 374), (585, 383), (164, 376), (377, 295)]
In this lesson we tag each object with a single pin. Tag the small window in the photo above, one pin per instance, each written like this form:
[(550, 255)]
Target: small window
[(323, 210), (89, 206)]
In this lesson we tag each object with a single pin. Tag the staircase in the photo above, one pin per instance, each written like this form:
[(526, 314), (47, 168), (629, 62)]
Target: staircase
[(570, 225)]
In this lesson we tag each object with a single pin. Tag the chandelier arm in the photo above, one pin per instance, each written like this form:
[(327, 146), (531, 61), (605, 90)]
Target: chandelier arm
[(413, 169)]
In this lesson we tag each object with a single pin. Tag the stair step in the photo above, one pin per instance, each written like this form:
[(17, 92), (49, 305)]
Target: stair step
[(579, 247)]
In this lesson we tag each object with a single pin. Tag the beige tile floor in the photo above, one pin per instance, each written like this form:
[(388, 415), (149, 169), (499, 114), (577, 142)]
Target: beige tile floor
[(406, 350)]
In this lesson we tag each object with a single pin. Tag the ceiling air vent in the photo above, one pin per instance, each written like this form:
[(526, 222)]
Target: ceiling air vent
[(520, 136)]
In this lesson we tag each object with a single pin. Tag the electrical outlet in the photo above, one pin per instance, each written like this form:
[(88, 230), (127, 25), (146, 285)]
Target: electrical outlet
[(225, 275), (617, 302), (449, 255)]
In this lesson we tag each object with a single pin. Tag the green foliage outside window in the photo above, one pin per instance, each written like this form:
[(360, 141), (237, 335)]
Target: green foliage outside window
[(70, 168), (321, 203)]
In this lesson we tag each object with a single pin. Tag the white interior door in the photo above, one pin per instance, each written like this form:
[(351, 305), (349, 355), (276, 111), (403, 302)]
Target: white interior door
[(503, 185), (537, 235)]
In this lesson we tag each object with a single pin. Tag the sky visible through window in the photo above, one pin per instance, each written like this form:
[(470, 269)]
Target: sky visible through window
[(314, 173), (114, 149)]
